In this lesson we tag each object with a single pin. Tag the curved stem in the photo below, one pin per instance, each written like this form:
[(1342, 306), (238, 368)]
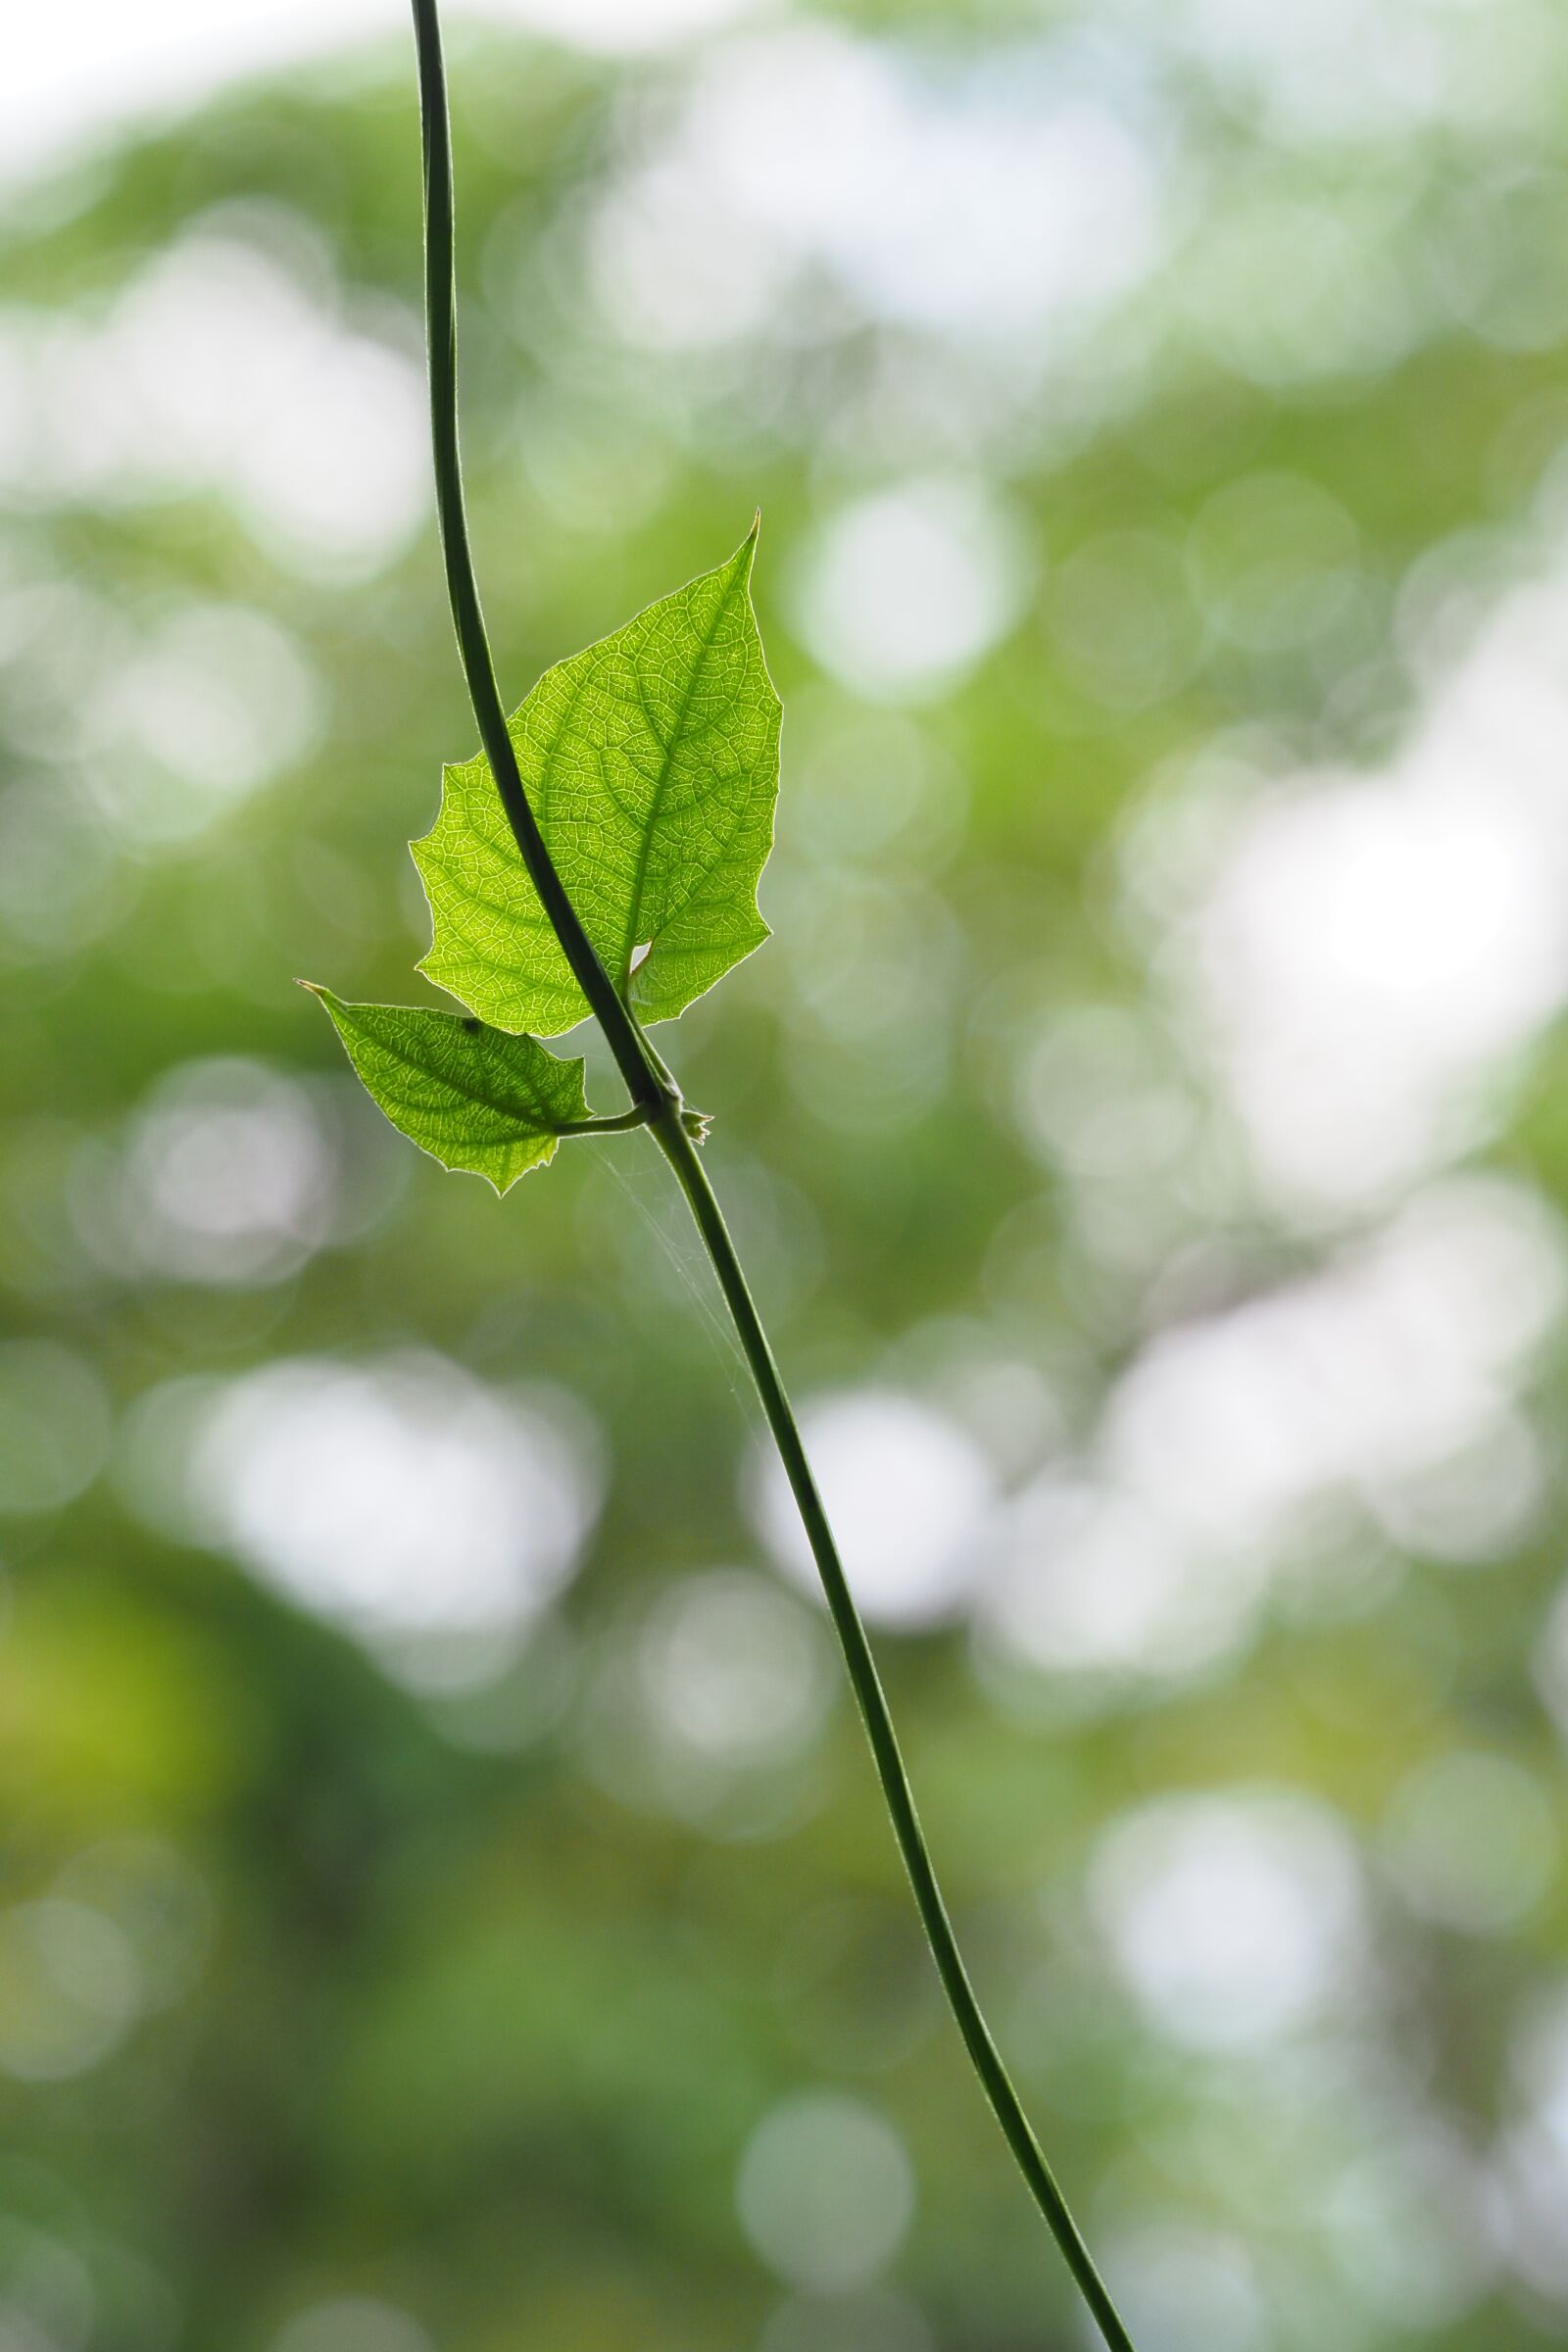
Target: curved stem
[(658, 1104), (462, 589), (1005, 2105)]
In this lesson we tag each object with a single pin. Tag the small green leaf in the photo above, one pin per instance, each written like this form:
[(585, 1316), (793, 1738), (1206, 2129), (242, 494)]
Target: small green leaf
[(651, 763), (474, 1098)]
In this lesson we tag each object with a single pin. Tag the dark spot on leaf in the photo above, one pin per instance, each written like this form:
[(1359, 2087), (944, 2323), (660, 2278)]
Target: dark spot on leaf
[(473, 1026)]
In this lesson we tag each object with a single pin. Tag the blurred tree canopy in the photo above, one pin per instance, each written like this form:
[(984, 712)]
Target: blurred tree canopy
[(446, 1902)]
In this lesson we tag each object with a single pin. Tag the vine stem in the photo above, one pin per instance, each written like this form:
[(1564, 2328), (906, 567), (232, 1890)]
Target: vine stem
[(658, 1104), (643, 1081)]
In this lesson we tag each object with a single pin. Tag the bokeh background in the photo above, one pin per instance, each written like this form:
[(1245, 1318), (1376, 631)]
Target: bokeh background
[(445, 1905)]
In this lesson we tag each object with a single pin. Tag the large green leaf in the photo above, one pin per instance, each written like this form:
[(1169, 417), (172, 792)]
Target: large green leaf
[(472, 1097), (650, 761)]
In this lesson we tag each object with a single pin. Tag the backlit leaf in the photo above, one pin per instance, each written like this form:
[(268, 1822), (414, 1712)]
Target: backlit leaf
[(472, 1097), (650, 761)]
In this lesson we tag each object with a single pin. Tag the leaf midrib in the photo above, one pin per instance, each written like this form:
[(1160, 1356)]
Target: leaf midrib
[(646, 848), (406, 1061)]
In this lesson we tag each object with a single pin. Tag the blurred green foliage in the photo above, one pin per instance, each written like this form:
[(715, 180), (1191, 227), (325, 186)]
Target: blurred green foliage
[(448, 1903)]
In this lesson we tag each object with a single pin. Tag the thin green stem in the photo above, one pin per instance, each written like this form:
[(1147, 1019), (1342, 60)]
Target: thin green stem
[(657, 1103), (463, 588), (1005, 2105), (621, 1124)]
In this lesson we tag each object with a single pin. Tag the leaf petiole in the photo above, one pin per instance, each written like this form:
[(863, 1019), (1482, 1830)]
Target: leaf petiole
[(623, 1123), (640, 1114)]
